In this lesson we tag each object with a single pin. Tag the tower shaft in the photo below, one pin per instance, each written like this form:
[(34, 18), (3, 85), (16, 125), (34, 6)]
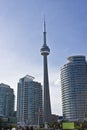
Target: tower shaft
[(47, 107)]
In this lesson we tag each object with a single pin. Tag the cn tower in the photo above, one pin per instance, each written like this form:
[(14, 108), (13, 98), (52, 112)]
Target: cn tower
[(46, 96)]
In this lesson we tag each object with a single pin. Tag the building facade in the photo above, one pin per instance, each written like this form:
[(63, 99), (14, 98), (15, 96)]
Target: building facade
[(74, 88), (46, 95), (6, 100), (29, 101)]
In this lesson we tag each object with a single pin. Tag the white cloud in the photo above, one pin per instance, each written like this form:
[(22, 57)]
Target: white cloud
[(55, 91), (55, 94)]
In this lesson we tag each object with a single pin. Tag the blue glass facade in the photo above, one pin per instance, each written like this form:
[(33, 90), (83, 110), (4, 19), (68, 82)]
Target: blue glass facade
[(29, 101), (74, 88), (6, 100)]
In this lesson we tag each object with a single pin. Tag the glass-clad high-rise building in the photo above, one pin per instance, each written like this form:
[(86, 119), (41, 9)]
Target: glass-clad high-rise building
[(74, 88), (6, 100), (29, 101)]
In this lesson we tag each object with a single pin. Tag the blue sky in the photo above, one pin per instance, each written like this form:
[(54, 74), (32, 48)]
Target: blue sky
[(21, 37)]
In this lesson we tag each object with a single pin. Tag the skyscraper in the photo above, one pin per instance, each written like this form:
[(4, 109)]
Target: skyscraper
[(29, 101), (6, 100), (74, 88), (46, 96)]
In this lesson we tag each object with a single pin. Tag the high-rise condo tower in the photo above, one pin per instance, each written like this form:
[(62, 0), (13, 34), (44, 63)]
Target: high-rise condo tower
[(6, 100), (74, 88), (46, 96), (29, 101)]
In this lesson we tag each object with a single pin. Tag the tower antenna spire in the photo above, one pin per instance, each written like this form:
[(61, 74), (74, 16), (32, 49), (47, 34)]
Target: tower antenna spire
[(44, 32), (44, 24)]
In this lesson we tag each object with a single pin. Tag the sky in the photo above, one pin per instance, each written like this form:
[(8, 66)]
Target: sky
[(21, 38)]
